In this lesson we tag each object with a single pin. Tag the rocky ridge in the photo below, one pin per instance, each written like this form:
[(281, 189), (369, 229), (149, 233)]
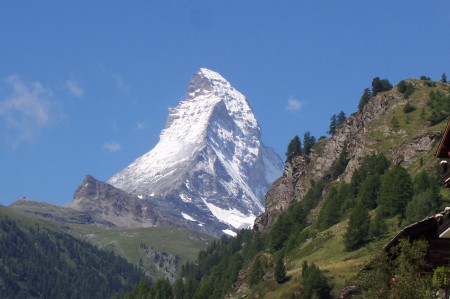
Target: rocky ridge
[(107, 204), (363, 133)]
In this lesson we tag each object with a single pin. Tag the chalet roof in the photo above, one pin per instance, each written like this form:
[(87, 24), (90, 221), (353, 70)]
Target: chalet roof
[(424, 227), (444, 145), (432, 227)]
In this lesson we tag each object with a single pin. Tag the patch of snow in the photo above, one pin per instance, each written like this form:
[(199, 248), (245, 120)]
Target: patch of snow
[(185, 198), (231, 216), (230, 232), (187, 217)]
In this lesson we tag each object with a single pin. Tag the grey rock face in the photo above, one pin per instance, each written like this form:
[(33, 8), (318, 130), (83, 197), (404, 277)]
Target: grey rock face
[(356, 134), (108, 204)]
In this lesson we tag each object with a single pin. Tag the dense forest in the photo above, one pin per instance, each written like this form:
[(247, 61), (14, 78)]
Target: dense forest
[(37, 262), (377, 187)]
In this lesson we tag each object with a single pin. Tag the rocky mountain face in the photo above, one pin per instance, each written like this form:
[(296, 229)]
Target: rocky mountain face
[(363, 133), (210, 166), (98, 203), (111, 206), (164, 262)]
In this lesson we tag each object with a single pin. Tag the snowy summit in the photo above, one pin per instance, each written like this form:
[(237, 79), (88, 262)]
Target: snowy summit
[(210, 163)]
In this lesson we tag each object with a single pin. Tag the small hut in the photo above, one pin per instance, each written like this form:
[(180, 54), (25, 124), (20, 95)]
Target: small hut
[(434, 229)]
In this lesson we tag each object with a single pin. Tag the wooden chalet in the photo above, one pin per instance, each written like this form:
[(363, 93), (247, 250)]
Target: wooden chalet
[(443, 153), (434, 229)]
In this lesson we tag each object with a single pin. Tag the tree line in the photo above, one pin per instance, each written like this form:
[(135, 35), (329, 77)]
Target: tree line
[(36, 262)]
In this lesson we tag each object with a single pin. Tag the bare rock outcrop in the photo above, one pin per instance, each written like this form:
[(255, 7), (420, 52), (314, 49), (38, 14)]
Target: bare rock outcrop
[(362, 134), (108, 204)]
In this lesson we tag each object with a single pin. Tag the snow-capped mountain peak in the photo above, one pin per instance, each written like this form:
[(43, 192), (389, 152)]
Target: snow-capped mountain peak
[(209, 162)]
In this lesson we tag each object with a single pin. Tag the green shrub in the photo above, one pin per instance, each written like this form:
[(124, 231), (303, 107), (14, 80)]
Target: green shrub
[(409, 108), (441, 277)]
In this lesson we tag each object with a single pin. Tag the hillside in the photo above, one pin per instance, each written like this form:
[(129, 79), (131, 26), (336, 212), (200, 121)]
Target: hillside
[(336, 207), (406, 138), (368, 131), (158, 251), (38, 261)]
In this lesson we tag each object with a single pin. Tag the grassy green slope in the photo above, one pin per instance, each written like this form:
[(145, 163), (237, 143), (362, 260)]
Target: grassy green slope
[(387, 138), (180, 242), (326, 248)]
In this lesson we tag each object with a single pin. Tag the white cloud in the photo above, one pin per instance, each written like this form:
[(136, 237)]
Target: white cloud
[(112, 146), (26, 110), (294, 104), (141, 126), (74, 88), (120, 82)]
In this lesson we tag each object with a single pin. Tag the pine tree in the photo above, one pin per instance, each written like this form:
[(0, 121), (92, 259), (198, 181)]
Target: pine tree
[(395, 123), (280, 270), (333, 125), (365, 98), (370, 165), (422, 205), (294, 146), (444, 78), (358, 228), (280, 232), (308, 142), (396, 190), (330, 212), (380, 85), (161, 289), (256, 272), (314, 283), (368, 191), (341, 118), (178, 288), (378, 226)]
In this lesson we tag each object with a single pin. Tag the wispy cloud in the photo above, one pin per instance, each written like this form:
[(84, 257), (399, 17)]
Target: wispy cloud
[(293, 104), (112, 146), (120, 83), (141, 126), (116, 77), (26, 110), (74, 88)]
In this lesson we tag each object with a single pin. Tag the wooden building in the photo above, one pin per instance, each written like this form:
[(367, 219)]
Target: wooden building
[(443, 153), (434, 229)]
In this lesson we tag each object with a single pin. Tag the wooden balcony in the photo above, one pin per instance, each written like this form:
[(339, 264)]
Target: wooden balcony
[(445, 179), (443, 152)]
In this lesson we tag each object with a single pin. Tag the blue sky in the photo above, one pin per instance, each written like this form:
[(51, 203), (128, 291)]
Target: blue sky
[(85, 85)]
